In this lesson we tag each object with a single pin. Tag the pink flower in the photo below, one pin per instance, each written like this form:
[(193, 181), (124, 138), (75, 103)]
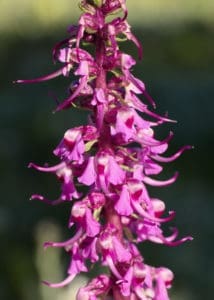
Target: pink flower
[(72, 146), (65, 175), (82, 215), (96, 288)]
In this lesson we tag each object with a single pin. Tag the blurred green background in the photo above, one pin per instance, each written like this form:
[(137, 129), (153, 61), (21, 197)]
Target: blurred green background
[(177, 68)]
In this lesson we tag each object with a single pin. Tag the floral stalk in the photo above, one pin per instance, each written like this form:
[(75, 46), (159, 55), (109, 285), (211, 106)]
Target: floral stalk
[(115, 156)]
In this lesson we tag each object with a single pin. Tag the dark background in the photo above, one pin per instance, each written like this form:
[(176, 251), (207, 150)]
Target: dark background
[(178, 71)]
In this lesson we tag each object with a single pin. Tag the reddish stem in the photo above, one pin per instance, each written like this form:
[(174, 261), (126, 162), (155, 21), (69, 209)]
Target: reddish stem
[(117, 295)]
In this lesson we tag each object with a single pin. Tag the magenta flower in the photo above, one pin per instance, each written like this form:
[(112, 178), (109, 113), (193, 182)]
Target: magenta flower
[(115, 156)]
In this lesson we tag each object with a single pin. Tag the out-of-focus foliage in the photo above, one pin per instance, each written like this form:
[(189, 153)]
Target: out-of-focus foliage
[(177, 67), (26, 16)]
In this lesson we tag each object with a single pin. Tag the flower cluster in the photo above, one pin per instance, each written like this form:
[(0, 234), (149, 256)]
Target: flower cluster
[(115, 157)]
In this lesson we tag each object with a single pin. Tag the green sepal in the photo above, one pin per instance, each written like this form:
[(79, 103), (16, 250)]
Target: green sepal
[(98, 3), (121, 39), (126, 168), (96, 213), (89, 145), (116, 72)]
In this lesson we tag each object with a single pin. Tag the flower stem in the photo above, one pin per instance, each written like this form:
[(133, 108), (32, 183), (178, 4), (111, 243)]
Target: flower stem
[(117, 294)]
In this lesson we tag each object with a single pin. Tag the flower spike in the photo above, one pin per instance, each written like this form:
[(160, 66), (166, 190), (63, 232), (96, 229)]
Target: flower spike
[(106, 166)]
